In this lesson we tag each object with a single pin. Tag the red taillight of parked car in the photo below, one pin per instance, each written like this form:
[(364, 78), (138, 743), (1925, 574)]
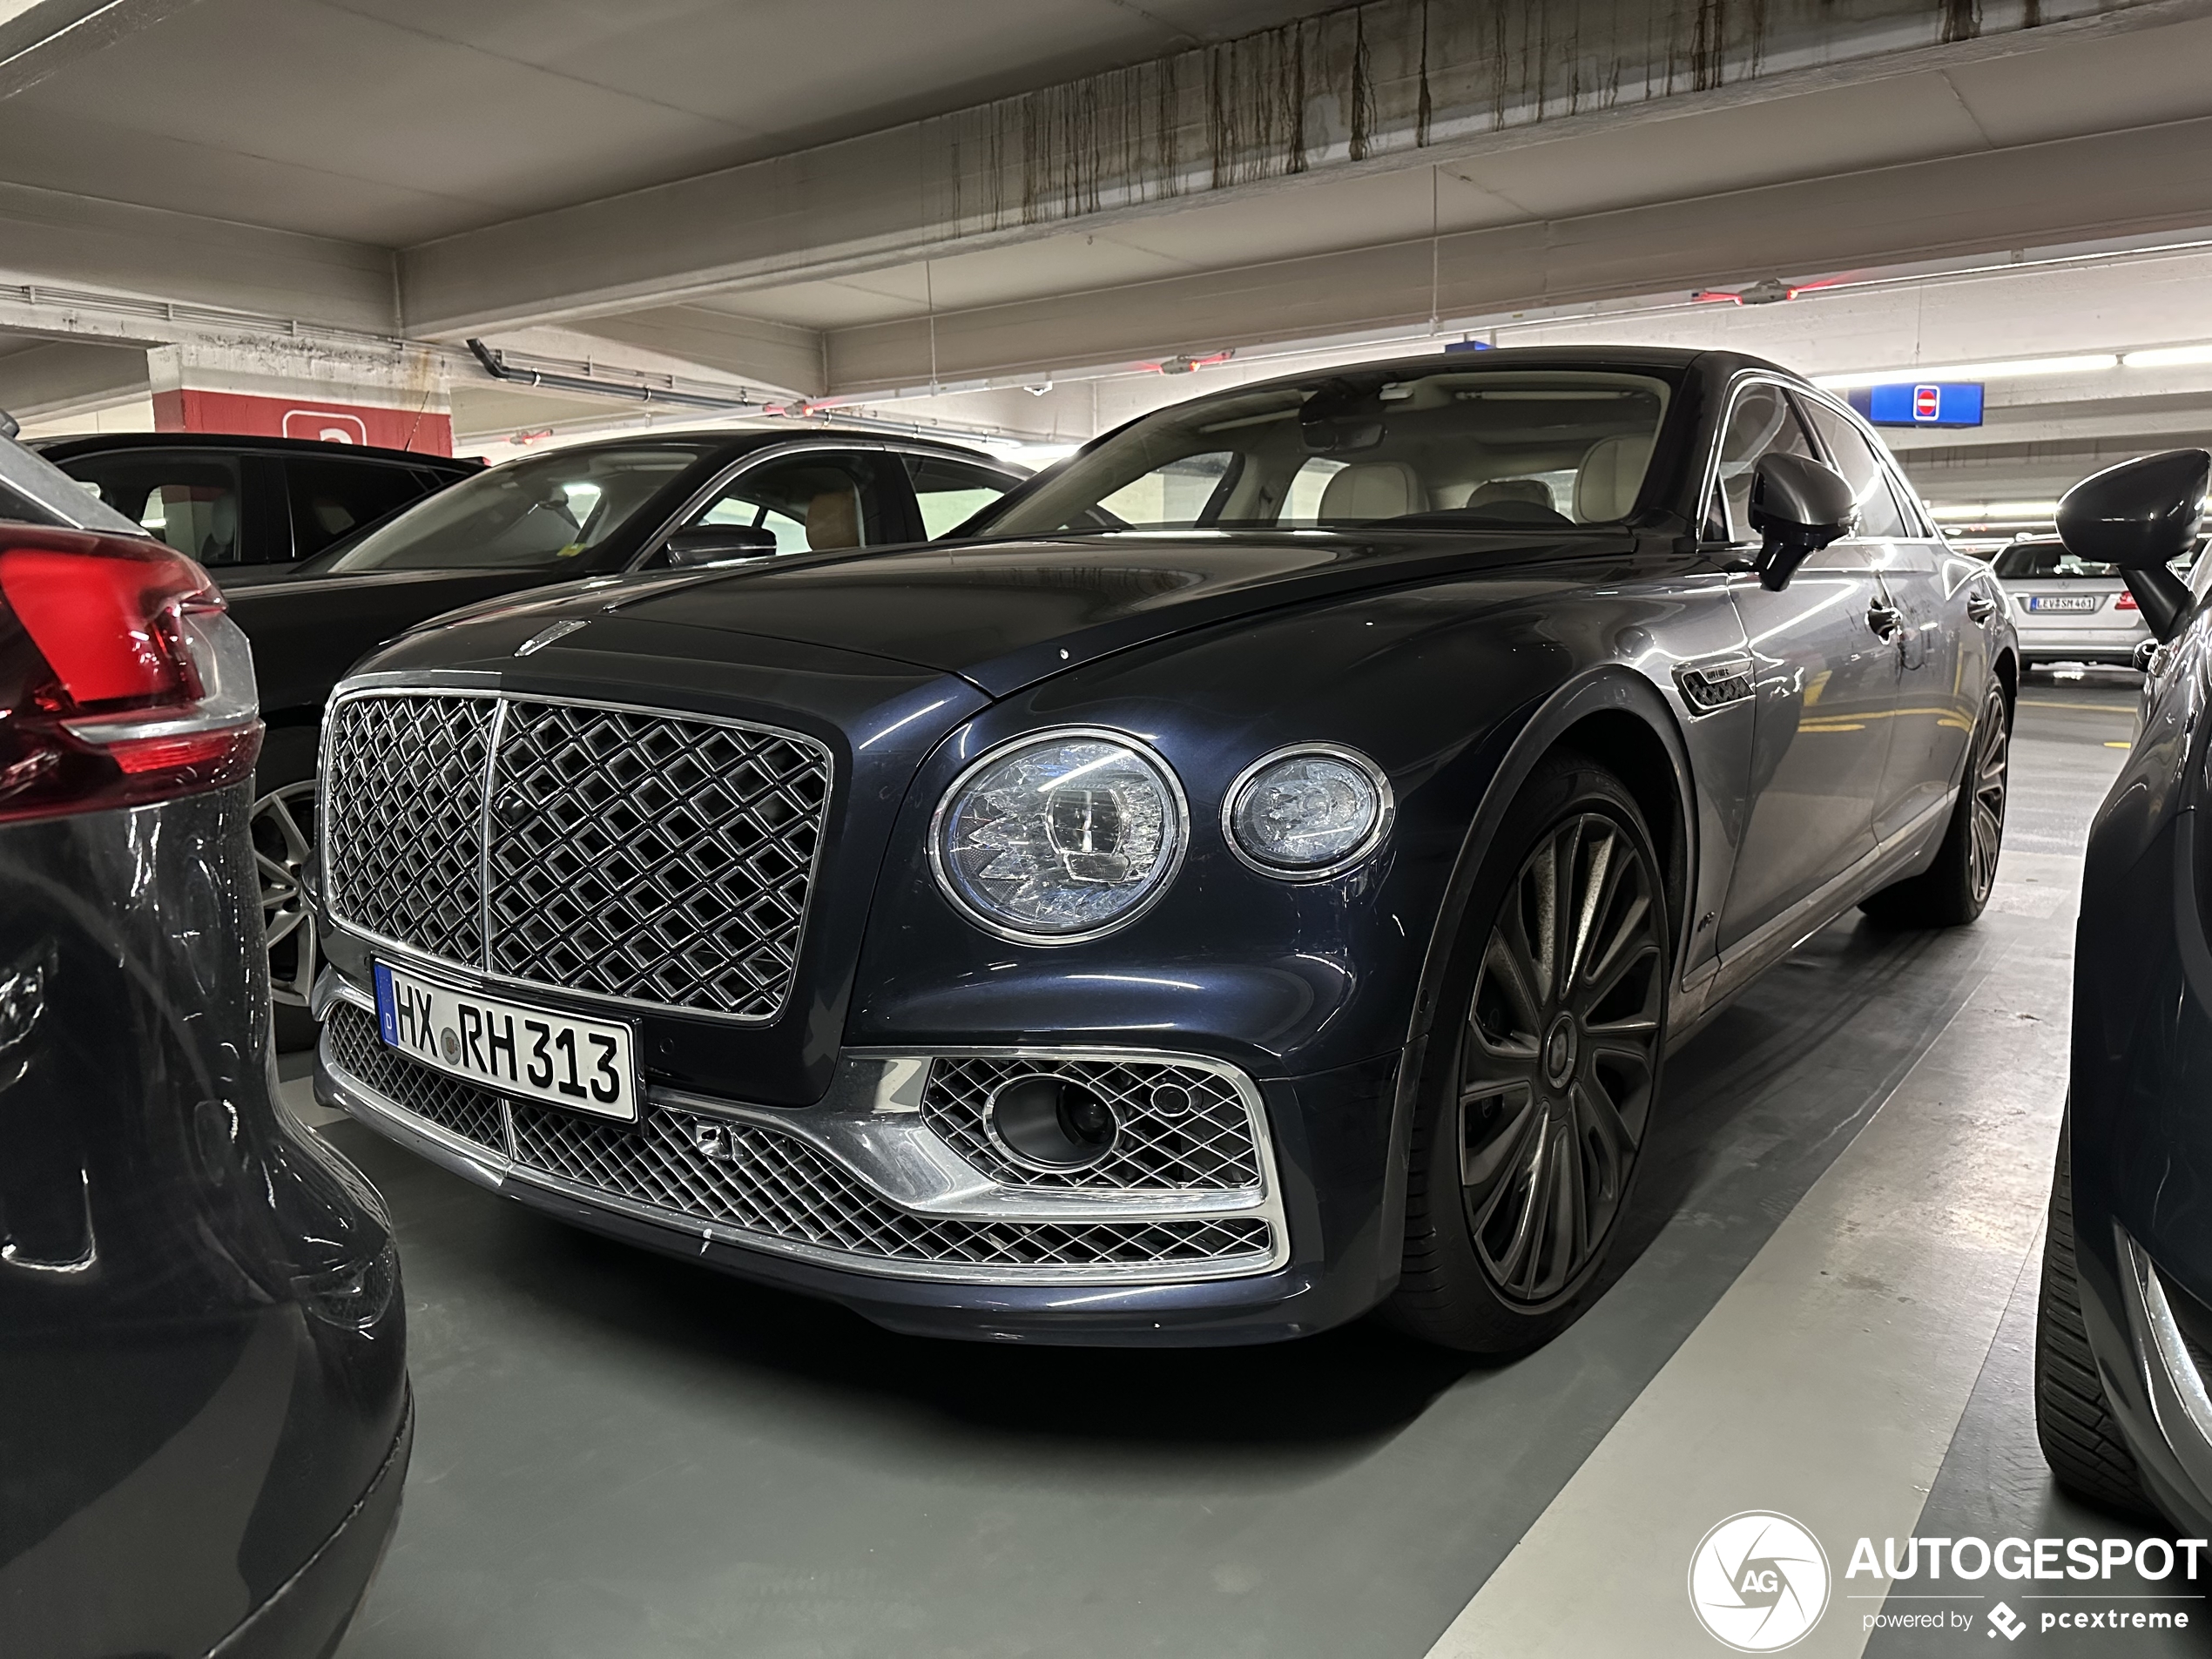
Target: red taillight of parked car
[(121, 680), (2126, 602)]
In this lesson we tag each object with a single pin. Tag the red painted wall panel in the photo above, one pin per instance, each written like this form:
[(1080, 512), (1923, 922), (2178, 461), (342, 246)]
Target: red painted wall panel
[(279, 417)]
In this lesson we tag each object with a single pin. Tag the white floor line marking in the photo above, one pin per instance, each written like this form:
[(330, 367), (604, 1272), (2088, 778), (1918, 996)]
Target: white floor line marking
[(1827, 1383)]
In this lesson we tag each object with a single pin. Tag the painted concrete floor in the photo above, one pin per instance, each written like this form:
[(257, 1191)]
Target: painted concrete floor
[(1825, 1311)]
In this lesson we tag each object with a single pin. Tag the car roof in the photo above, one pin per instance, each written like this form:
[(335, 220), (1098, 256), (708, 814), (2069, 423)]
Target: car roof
[(71, 446), (1501, 358), (739, 440)]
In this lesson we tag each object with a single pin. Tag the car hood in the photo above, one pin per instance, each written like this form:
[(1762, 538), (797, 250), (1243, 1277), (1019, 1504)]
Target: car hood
[(1003, 615)]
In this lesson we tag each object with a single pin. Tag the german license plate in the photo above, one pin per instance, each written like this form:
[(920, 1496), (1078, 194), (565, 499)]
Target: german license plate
[(2063, 602), (585, 1065)]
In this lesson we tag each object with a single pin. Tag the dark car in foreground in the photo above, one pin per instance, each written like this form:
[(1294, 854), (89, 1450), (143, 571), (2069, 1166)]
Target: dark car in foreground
[(592, 511), (1255, 874), (2124, 1338), (237, 504), (206, 1419)]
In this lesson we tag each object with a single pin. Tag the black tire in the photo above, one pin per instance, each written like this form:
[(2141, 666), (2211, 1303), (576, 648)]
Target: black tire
[(1955, 889), (1539, 1084), (2073, 1418)]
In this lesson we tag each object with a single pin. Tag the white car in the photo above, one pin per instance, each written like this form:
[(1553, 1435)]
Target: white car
[(2071, 610)]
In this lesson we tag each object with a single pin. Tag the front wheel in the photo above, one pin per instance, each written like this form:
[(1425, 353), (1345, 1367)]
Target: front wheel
[(1540, 1091), (283, 827), (1954, 889)]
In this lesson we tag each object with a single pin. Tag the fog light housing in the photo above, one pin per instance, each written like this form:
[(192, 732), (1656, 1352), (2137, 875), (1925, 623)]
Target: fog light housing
[(1049, 1122)]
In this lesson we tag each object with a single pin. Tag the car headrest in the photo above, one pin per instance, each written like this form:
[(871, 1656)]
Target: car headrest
[(1611, 473), (1371, 489), (834, 519), (1535, 491)]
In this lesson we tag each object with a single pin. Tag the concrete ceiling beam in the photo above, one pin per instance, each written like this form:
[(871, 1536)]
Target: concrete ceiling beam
[(47, 35), (50, 239), (778, 355), (2111, 184), (50, 377), (1367, 89)]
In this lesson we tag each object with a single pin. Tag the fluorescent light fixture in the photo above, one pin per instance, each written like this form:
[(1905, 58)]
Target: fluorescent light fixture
[(1978, 512), (2166, 357), (2018, 368)]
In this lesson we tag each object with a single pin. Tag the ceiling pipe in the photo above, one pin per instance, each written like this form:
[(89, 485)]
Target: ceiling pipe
[(498, 367)]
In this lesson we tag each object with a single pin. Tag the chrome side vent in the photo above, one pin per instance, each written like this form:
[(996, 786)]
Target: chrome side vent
[(1715, 682)]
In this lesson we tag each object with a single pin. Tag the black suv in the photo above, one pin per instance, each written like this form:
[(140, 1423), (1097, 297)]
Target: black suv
[(229, 502)]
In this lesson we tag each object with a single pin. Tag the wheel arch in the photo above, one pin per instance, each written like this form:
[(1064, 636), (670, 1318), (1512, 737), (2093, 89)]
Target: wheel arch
[(1619, 718)]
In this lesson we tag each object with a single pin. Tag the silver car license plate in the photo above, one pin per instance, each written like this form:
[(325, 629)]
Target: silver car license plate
[(2063, 602), (585, 1065)]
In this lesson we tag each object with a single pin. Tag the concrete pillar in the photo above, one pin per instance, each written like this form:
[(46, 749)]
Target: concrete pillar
[(396, 398)]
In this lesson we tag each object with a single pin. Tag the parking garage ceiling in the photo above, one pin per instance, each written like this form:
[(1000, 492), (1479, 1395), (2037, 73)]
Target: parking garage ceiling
[(813, 197)]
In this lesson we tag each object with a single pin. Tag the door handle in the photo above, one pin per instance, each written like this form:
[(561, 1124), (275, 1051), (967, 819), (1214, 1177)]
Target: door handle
[(1980, 608), (1884, 620)]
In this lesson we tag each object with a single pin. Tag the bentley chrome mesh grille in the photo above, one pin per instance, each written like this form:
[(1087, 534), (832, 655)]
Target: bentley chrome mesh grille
[(652, 859), (761, 1182), (357, 1048), (779, 1188), (403, 808), (642, 857), (1178, 1126)]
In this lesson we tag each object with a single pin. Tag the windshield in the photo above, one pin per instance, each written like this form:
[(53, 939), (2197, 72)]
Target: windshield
[(1453, 448), (540, 514)]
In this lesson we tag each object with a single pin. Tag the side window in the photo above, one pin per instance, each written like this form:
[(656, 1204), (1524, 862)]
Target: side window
[(949, 493), (1761, 421), (816, 502), (1173, 496), (1852, 455), (334, 498), (189, 500)]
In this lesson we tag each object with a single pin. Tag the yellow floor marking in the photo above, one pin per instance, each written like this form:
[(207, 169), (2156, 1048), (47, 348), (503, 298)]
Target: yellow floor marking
[(2114, 742), (2093, 708)]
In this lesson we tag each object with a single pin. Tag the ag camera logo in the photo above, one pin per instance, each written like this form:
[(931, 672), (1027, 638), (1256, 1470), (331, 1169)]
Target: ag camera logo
[(1759, 1583)]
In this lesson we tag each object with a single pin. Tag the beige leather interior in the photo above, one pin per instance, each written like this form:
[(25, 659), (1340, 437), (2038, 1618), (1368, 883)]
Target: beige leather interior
[(1369, 489), (834, 519), (1535, 491), (1606, 484)]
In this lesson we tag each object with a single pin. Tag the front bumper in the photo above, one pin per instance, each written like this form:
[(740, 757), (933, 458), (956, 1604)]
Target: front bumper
[(865, 1199), (2070, 645), (312, 1609)]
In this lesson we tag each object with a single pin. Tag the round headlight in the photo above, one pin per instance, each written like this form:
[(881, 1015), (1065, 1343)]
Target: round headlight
[(1307, 813), (1060, 837)]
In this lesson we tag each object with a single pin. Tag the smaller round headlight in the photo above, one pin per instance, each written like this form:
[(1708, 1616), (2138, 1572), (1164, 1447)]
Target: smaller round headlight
[(1308, 811)]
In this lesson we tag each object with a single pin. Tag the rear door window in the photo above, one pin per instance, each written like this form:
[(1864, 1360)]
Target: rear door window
[(947, 493), (189, 500), (333, 498)]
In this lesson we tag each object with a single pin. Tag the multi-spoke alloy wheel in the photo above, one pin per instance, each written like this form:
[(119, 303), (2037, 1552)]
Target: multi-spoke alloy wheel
[(1986, 776), (283, 839), (1559, 1057), (1952, 891)]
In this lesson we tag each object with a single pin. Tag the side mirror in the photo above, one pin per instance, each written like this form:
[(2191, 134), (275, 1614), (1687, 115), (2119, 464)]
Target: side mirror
[(717, 544), (2142, 515), (1798, 506)]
